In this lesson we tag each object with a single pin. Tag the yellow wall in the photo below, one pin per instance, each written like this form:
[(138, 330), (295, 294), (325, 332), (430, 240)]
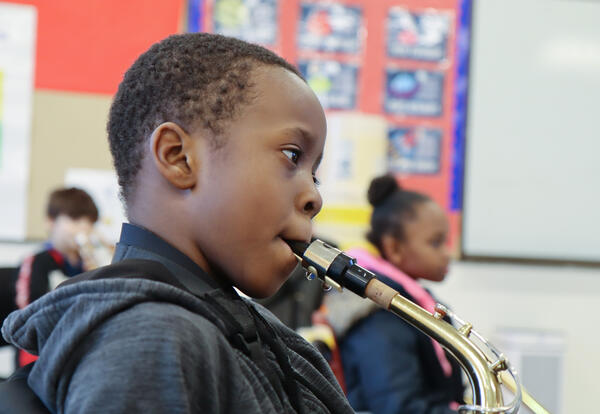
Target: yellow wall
[(68, 131)]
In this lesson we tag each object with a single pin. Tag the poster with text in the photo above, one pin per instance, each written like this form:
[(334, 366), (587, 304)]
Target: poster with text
[(414, 92), (330, 27), (334, 82), (17, 56), (254, 21), (414, 150), (418, 36)]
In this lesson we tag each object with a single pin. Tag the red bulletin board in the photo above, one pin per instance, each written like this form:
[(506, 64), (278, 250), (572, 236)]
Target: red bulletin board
[(86, 46), (373, 61)]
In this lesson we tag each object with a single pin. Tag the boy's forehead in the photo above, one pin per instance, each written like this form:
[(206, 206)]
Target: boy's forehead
[(261, 79), (279, 89), (276, 97)]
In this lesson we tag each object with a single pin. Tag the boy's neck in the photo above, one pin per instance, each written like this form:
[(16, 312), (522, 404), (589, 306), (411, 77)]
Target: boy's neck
[(171, 233), (146, 207)]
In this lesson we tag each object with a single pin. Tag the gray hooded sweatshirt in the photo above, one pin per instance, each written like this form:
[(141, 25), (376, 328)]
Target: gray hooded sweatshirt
[(142, 346)]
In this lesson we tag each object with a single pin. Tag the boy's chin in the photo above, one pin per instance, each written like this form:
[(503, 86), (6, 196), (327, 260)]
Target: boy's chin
[(259, 293), (257, 285), (262, 291)]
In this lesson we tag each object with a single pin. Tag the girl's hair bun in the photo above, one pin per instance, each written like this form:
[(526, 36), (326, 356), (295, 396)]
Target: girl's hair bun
[(381, 188)]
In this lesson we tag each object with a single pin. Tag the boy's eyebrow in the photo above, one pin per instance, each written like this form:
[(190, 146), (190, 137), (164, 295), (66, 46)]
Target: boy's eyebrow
[(306, 136)]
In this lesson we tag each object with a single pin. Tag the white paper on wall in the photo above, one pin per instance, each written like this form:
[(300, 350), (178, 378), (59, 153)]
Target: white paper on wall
[(18, 25), (355, 152)]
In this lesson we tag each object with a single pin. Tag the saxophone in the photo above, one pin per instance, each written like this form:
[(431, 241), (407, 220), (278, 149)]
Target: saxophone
[(487, 369)]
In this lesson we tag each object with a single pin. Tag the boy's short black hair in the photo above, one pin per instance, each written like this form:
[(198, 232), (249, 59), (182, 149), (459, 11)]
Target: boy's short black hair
[(72, 202), (194, 80)]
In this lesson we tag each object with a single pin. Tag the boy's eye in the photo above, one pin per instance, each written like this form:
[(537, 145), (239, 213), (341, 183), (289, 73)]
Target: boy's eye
[(316, 180), (292, 154)]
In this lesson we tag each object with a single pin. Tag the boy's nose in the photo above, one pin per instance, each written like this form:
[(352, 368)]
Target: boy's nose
[(312, 202)]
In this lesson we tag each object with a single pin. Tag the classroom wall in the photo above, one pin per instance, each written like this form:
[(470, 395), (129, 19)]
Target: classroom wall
[(68, 131)]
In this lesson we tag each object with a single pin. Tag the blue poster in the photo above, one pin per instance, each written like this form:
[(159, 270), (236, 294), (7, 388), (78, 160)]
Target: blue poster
[(414, 92), (414, 150), (254, 21), (330, 28), (334, 82), (419, 36)]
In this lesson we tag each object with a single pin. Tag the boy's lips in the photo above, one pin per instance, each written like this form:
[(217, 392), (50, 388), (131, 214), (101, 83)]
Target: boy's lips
[(294, 238), (292, 259)]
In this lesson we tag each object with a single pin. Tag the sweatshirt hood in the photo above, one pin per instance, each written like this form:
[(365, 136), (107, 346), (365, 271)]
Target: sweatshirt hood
[(54, 325)]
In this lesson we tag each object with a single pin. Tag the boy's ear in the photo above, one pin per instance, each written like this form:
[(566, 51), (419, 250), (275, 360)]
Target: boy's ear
[(393, 249), (172, 150)]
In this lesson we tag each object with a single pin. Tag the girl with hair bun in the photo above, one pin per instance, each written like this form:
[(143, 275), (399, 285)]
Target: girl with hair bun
[(389, 366)]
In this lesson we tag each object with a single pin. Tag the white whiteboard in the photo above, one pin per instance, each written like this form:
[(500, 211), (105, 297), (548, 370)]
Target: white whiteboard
[(17, 56), (532, 162)]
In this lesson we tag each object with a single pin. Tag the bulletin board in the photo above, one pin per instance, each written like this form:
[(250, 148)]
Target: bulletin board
[(403, 62)]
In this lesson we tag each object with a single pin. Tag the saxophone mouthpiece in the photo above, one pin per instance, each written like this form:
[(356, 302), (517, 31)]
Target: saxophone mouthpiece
[(298, 247), (332, 266)]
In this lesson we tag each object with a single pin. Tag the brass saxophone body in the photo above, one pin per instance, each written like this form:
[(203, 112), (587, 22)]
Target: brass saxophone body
[(487, 370)]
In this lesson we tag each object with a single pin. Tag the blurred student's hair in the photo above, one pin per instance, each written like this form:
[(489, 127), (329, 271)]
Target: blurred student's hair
[(72, 202)]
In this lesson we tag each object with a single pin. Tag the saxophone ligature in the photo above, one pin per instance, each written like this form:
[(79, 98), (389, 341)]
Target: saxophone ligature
[(486, 368)]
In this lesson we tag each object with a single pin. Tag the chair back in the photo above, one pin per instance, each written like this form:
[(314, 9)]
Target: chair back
[(8, 279)]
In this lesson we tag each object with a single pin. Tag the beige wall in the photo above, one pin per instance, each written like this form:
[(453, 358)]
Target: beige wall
[(68, 131)]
